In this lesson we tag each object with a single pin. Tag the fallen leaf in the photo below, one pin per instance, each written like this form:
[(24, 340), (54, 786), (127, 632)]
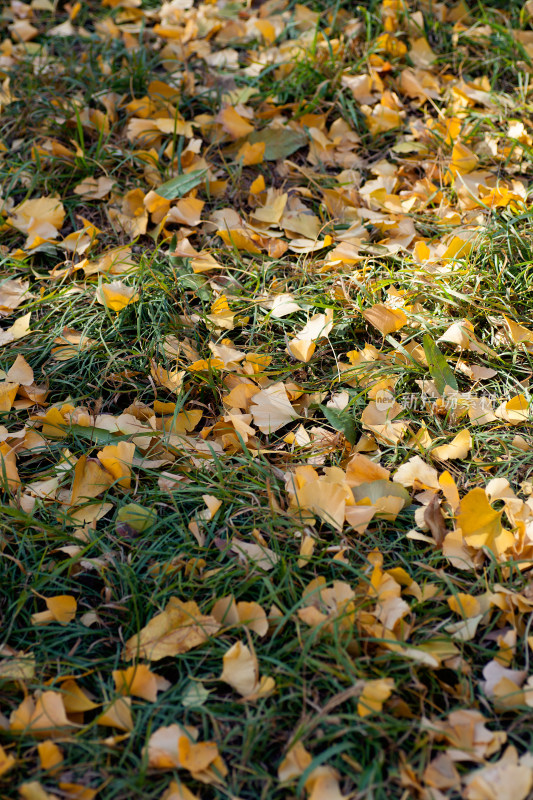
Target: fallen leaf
[(116, 295), (177, 629), (271, 409), (227, 612), (241, 672), (117, 460), (374, 695), (233, 123), (118, 715), (505, 779), (20, 372), (7, 761), (94, 188), (45, 716), (139, 681), (386, 320), (19, 329), (61, 608), (458, 448)]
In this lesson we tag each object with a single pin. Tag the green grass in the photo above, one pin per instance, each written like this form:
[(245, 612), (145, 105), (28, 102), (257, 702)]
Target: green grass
[(122, 580)]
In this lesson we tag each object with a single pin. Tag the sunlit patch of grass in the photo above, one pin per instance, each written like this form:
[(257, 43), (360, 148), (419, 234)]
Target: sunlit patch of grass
[(121, 580)]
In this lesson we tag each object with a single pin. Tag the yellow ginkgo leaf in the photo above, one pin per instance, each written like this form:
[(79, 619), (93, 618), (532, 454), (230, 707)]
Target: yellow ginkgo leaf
[(463, 159), (196, 756), (421, 53), (361, 469), (374, 695), (459, 447), (41, 218), (177, 629), (20, 372), (465, 605), (139, 681), (323, 782), (221, 314), (118, 715), (240, 239), (163, 746), (516, 411), (233, 123), (297, 760), (449, 489), (241, 672), (90, 480), (175, 747), (157, 206), (44, 715), (117, 460), (8, 467), (116, 295), (19, 329), (509, 778), (251, 154), (319, 327), (480, 524), (7, 761), (12, 294), (326, 500), (50, 755), (94, 188), (385, 319), (187, 211), (266, 29), (302, 349), (178, 791), (170, 379), (61, 608), (517, 333), (240, 669), (33, 790), (54, 424), (8, 392), (382, 118), (76, 700), (271, 408), (251, 615)]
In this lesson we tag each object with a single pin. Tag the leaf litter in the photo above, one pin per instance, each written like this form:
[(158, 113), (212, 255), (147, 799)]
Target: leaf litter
[(264, 386)]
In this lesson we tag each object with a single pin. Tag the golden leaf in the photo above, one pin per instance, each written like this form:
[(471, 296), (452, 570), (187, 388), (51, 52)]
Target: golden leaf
[(241, 672), (385, 319), (177, 629), (480, 524), (271, 409), (139, 681), (47, 715), (459, 447), (20, 372), (232, 122), (227, 612), (374, 695), (297, 760), (90, 480), (118, 715), (61, 608), (7, 761), (117, 460), (116, 295), (19, 329)]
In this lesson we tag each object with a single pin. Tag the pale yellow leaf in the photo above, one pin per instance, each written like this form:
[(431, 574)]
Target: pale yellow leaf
[(458, 448)]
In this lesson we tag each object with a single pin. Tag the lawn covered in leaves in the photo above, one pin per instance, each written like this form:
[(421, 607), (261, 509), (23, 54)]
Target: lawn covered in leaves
[(266, 524)]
